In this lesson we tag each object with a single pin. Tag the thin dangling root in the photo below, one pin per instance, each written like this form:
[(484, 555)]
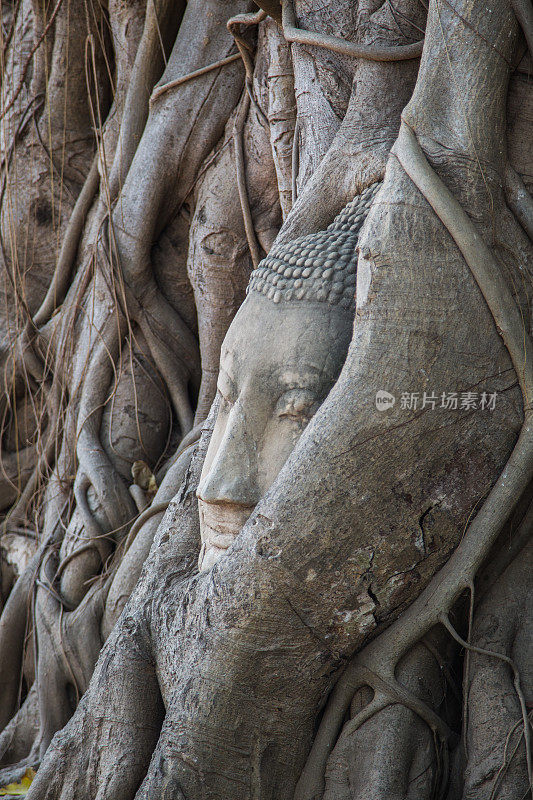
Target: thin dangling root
[(445, 621), (238, 128), (246, 53), (506, 763), (238, 131), (380, 657)]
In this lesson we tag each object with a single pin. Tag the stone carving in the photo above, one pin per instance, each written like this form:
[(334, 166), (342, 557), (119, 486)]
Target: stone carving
[(320, 267), (301, 301)]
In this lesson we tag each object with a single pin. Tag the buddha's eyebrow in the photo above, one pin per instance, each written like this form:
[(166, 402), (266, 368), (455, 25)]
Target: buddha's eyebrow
[(303, 375)]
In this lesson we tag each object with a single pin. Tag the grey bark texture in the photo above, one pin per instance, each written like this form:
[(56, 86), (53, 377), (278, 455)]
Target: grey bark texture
[(367, 632)]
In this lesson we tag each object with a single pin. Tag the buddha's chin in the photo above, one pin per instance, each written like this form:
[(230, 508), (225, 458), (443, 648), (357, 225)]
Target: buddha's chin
[(219, 525)]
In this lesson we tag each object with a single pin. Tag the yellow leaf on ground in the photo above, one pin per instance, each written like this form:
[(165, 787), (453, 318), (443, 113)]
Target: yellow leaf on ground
[(19, 788)]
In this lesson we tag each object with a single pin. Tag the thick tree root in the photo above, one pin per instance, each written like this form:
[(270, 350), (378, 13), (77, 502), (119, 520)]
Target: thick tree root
[(13, 631), (394, 753), (63, 271), (375, 665), (140, 296), (162, 19), (18, 737)]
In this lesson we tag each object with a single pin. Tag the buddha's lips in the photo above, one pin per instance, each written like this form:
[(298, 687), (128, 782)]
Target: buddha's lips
[(220, 523)]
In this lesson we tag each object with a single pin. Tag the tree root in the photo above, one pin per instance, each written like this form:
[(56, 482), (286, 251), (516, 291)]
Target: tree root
[(147, 68), (18, 737), (375, 665), (218, 264), (94, 463), (136, 547), (281, 113), (137, 221), (481, 261), (394, 754), (371, 52), (246, 53), (161, 326), (233, 217), (295, 162), (445, 622), (238, 131), (16, 470), (506, 762), (165, 87), (238, 127), (29, 60), (499, 646), (43, 467), (151, 511), (272, 8), (519, 200), (13, 630), (63, 271), (240, 119)]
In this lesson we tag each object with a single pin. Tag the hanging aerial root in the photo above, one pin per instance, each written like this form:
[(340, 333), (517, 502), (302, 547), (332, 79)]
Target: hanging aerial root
[(445, 622), (238, 127), (29, 60), (295, 161), (292, 33), (246, 53), (238, 144), (376, 663)]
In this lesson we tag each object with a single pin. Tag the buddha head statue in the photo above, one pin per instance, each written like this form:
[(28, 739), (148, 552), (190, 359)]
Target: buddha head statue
[(282, 354)]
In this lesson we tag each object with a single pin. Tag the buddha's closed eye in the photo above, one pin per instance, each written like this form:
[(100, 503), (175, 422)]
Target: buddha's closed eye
[(297, 405)]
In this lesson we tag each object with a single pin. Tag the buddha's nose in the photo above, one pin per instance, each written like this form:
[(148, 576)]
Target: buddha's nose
[(231, 477)]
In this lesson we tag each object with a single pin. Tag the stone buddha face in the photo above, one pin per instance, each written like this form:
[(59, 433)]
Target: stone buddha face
[(280, 358), (277, 364)]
